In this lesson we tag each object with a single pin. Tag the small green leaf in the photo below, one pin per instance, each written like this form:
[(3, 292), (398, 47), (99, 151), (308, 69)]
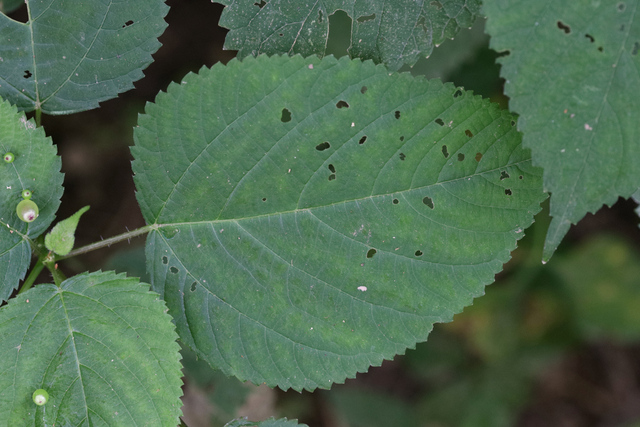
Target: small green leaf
[(571, 73), (71, 55), (391, 32), (315, 217), (101, 345), (35, 167), (62, 237)]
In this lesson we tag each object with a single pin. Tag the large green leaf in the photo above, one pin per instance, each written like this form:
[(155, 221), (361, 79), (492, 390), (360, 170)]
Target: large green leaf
[(72, 54), (394, 33), (313, 217), (37, 168), (101, 345), (572, 75)]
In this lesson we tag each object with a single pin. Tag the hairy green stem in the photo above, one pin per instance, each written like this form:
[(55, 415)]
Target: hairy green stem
[(31, 278), (110, 241), (38, 116)]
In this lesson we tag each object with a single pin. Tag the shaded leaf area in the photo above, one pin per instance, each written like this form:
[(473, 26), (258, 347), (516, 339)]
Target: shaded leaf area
[(35, 167), (315, 217), (394, 33), (271, 422), (571, 74), (102, 346), (73, 54), (8, 6)]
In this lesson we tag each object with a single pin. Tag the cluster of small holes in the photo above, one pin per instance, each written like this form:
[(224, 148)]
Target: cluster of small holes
[(371, 252), (362, 140), (503, 175), (402, 156), (590, 37), (508, 192), (564, 27), (193, 286), (397, 114), (428, 201), (174, 270), (440, 122), (332, 169), (418, 253), (445, 152), (323, 146), (260, 4), (286, 115), (27, 74), (460, 157), (126, 24), (457, 93), (165, 260), (342, 104), (468, 133), (401, 138)]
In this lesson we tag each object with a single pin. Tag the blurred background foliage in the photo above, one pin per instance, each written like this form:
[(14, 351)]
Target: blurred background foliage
[(552, 345)]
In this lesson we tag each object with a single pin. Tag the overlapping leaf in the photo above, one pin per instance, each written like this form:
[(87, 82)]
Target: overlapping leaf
[(73, 54), (394, 33), (37, 168), (314, 217), (572, 75), (102, 346)]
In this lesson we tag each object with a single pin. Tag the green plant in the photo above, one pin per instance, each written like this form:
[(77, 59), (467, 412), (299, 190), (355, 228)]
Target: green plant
[(307, 217)]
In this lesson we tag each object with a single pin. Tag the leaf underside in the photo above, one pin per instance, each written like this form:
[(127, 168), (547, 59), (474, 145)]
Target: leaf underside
[(72, 54), (394, 33), (318, 216), (572, 76), (102, 346), (37, 168)]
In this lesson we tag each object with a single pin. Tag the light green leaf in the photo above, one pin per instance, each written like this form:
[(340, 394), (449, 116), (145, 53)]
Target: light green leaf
[(394, 33), (101, 345), (572, 74), (35, 167), (315, 217), (271, 422), (73, 54), (63, 236)]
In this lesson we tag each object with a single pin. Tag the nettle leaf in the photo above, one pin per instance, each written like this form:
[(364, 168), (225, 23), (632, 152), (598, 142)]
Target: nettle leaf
[(571, 74), (271, 422), (73, 54), (394, 33), (314, 217), (34, 167), (101, 345)]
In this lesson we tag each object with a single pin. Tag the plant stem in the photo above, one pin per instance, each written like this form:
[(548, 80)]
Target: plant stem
[(38, 116), (110, 241), (33, 275)]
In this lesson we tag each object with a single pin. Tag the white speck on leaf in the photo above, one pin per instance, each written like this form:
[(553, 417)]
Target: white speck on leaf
[(362, 288), (587, 127)]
